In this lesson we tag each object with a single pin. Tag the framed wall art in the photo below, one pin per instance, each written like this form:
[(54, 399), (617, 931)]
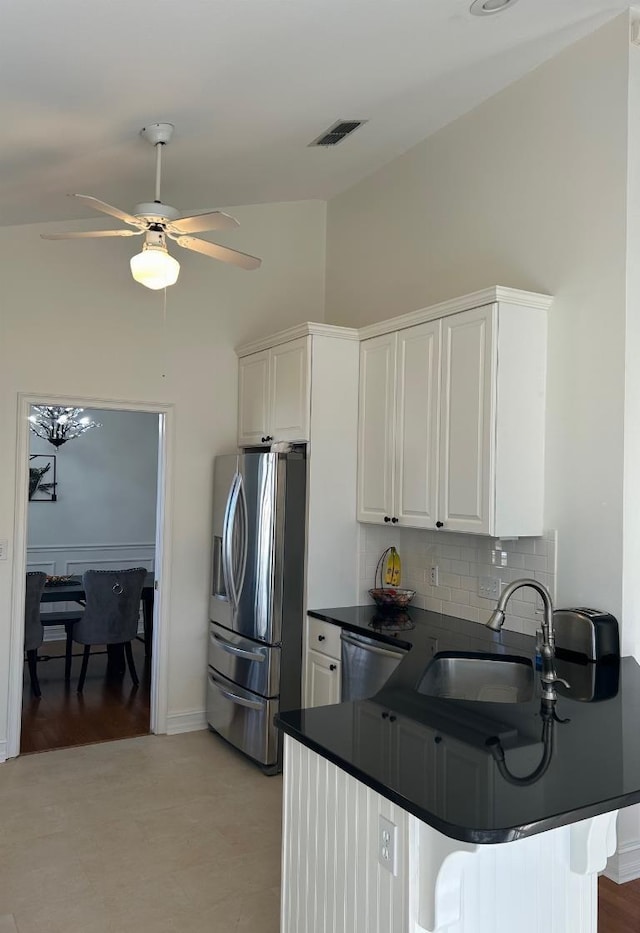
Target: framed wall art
[(42, 478)]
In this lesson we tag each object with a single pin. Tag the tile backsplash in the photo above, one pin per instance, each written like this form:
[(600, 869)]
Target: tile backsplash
[(463, 561)]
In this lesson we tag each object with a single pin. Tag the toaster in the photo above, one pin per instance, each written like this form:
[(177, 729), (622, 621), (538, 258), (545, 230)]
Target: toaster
[(587, 632)]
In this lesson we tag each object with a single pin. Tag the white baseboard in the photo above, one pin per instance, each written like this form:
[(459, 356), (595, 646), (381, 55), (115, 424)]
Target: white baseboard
[(189, 720), (625, 864)]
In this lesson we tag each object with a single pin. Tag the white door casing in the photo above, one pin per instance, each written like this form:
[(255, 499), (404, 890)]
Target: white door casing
[(160, 669)]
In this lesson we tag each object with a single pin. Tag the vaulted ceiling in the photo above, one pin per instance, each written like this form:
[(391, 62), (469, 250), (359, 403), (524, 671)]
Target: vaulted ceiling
[(248, 84)]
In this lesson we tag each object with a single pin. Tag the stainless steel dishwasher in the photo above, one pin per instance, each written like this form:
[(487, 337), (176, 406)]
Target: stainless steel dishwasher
[(367, 664)]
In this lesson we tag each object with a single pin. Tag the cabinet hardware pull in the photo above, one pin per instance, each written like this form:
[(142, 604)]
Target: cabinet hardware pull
[(385, 715), (394, 520), (439, 524), (321, 637), (387, 519), (392, 718), (332, 667)]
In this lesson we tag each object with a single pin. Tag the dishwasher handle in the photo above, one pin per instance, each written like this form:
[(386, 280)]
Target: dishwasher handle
[(368, 644)]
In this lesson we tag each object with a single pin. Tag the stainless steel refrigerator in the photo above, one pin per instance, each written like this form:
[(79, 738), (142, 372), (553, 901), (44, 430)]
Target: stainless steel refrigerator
[(256, 604)]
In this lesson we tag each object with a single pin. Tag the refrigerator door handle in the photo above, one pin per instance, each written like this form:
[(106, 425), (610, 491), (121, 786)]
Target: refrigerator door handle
[(235, 649), (241, 701), (227, 542), (244, 539)]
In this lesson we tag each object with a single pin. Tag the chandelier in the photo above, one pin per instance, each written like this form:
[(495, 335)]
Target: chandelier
[(59, 425)]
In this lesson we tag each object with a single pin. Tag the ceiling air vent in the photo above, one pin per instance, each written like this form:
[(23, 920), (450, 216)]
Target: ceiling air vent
[(336, 133)]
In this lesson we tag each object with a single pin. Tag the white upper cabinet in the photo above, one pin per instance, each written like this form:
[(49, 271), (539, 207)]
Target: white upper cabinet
[(253, 399), (399, 391), (467, 423), (452, 416), (273, 394), (376, 432), (417, 405)]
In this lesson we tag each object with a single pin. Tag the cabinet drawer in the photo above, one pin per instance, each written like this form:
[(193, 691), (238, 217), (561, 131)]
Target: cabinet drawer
[(323, 637)]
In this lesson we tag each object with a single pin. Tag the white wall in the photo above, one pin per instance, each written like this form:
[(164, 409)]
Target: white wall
[(626, 863), (528, 190), (73, 321), (107, 482)]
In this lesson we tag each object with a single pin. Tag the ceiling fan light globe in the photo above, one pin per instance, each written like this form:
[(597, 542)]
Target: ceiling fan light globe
[(154, 267)]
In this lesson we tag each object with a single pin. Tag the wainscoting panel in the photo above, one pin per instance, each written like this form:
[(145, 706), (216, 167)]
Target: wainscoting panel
[(74, 559)]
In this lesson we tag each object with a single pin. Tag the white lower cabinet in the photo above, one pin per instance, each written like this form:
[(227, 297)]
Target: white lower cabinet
[(322, 680), (322, 666)]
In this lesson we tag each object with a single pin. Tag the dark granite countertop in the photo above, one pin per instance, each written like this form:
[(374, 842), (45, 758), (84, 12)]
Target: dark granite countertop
[(436, 758)]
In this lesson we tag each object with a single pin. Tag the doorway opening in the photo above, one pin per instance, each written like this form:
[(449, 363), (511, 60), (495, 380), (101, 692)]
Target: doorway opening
[(89, 511)]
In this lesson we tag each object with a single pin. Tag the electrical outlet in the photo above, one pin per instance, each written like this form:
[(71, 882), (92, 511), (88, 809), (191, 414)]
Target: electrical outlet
[(433, 576), (4, 548), (387, 844), (489, 587)]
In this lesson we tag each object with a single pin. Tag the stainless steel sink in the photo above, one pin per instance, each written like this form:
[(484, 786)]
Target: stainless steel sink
[(483, 678)]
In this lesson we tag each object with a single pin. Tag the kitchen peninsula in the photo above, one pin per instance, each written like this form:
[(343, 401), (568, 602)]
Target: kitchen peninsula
[(411, 811)]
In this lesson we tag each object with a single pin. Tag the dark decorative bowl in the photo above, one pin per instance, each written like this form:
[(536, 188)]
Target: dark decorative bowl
[(391, 597)]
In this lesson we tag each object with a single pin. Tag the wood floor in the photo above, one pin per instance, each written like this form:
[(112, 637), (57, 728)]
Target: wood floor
[(109, 707), (618, 906)]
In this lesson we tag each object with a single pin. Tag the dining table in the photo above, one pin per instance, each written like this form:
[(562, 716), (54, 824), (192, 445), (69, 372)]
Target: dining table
[(71, 590)]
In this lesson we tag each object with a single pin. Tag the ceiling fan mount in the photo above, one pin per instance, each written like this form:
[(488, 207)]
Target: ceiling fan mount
[(154, 267), (156, 133)]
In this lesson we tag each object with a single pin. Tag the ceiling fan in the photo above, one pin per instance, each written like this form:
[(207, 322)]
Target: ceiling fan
[(154, 266)]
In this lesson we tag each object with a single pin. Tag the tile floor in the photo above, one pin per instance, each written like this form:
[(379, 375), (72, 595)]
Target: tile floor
[(170, 834)]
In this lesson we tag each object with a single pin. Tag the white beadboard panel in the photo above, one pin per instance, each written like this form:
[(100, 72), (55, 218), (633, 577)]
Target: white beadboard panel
[(461, 559), (332, 882)]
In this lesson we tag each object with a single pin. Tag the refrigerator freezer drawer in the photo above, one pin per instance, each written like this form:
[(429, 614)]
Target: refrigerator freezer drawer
[(251, 664), (243, 718)]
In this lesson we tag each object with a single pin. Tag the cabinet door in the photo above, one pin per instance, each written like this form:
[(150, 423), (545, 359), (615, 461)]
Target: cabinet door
[(322, 680), (464, 783), (418, 399), (289, 418), (376, 435), (253, 398), (467, 422)]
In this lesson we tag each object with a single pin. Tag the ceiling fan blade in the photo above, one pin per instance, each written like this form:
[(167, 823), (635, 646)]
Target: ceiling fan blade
[(219, 252), (109, 209), (90, 233), (204, 220)]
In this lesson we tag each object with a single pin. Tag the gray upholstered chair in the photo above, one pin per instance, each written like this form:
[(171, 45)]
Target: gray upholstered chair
[(33, 630), (111, 614)]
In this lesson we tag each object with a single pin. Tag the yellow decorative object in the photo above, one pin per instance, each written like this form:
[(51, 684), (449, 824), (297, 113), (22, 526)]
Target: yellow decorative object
[(393, 568)]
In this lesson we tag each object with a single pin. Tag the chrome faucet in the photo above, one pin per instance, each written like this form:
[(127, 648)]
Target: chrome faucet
[(545, 638)]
